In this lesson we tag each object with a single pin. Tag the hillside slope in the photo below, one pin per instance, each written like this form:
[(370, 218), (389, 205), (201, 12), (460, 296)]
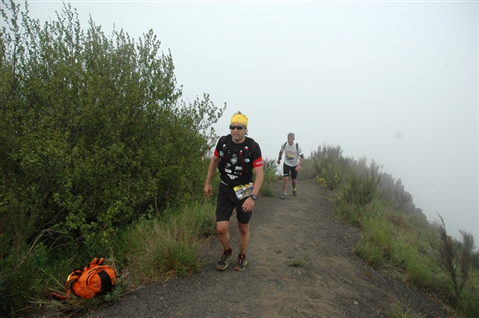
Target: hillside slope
[(334, 282)]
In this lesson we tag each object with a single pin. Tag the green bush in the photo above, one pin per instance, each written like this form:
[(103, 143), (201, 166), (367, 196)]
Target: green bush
[(94, 136), (455, 258), (330, 166), (89, 147), (20, 279), (270, 175), (370, 252), (468, 303), (308, 170), (359, 190)]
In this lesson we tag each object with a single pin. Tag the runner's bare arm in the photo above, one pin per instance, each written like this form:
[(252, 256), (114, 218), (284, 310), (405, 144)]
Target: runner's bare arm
[(213, 166)]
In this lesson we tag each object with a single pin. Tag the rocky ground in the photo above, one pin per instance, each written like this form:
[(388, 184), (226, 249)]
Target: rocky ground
[(333, 281)]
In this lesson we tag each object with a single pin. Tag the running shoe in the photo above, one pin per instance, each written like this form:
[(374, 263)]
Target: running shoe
[(223, 262), (294, 192), (242, 262), (283, 196)]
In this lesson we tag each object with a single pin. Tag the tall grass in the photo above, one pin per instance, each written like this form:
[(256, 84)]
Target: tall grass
[(168, 245)]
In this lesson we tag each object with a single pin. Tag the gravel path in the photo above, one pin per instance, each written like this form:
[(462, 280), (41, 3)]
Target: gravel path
[(333, 283)]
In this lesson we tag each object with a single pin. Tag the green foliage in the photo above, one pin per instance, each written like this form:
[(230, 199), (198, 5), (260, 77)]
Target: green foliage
[(359, 190), (330, 166), (168, 245), (468, 302), (93, 129), (94, 136), (19, 280), (396, 311), (349, 213), (298, 262), (377, 240), (392, 192), (396, 233), (455, 258), (370, 252), (270, 176), (307, 169), (32, 277), (475, 259)]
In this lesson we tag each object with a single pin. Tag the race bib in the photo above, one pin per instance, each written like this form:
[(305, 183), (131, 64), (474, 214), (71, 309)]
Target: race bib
[(289, 156), (243, 191)]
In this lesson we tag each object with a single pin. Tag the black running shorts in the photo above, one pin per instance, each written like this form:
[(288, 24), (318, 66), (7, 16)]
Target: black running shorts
[(226, 203), (286, 169)]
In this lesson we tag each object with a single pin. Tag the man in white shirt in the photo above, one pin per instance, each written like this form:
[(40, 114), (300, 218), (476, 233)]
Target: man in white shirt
[(293, 158)]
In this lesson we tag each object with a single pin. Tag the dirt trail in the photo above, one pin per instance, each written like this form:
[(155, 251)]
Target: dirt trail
[(334, 282)]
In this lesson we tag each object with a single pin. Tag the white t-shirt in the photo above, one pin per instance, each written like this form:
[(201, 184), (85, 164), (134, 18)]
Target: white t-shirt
[(291, 155)]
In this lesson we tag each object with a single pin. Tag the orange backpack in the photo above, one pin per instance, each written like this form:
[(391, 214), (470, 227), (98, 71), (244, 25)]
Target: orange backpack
[(94, 279)]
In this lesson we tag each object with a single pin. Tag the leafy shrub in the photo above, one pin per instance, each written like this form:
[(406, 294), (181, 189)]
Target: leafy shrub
[(270, 176), (307, 169), (89, 147), (455, 258), (94, 136), (330, 166), (369, 252), (468, 303), (360, 191)]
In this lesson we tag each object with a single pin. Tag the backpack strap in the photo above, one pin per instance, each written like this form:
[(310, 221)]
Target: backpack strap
[(59, 297), (225, 143), (297, 146), (97, 261), (252, 144), (73, 277)]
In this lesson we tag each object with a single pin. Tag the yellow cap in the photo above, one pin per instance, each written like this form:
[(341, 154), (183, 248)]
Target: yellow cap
[(240, 119)]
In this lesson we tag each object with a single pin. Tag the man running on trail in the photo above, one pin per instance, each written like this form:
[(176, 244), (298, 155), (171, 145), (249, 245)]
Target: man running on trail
[(293, 158), (236, 157)]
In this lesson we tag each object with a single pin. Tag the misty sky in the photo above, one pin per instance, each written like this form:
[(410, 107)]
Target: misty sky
[(396, 82)]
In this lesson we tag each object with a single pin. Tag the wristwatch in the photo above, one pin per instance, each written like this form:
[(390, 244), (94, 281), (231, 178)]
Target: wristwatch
[(254, 197)]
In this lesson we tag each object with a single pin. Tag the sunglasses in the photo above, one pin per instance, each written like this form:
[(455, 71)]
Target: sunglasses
[(237, 127)]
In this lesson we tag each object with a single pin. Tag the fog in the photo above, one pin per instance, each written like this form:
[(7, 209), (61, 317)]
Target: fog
[(395, 82)]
